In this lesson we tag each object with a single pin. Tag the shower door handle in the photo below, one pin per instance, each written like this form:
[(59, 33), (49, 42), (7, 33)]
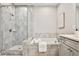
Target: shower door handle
[(14, 31)]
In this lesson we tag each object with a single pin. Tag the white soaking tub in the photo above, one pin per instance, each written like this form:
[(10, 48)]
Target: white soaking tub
[(31, 48)]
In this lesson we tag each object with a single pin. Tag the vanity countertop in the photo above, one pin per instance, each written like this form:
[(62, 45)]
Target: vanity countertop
[(70, 36)]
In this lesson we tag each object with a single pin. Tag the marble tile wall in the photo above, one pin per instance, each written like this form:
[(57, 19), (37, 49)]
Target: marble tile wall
[(13, 26), (1, 38), (8, 22)]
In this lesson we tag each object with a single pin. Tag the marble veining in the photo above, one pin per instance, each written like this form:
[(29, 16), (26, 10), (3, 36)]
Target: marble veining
[(13, 25)]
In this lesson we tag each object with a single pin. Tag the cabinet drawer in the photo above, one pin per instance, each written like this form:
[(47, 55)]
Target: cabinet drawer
[(75, 53), (68, 51), (72, 43)]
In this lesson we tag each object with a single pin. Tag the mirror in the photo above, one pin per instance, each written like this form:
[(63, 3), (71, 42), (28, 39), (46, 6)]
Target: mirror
[(61, 21)]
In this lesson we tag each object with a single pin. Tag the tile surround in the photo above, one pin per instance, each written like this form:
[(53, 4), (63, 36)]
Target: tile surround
[(14, 20)]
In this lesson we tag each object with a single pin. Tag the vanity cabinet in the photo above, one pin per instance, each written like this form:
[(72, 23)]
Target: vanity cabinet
[(68, 47), (64, 51)]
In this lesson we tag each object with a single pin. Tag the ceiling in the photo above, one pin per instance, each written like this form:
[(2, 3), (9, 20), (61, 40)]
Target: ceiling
[(34, 4)]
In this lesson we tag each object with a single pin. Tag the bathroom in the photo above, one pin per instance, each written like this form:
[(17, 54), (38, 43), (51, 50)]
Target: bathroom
[(39, 29)]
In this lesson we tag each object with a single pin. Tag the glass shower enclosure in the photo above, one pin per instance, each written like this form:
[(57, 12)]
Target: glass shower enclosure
[(15, 22)]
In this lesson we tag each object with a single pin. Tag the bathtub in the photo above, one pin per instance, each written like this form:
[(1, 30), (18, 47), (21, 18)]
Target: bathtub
[(31, 48)]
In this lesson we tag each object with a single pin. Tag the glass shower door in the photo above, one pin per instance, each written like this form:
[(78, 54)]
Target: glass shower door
[(21, 24)]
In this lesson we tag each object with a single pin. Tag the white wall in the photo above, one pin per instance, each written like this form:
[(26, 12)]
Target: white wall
[(44, 20), (69, 9), (77, 18)]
